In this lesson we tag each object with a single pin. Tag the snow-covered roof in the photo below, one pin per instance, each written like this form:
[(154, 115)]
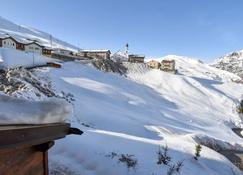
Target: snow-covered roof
[(49, 48), (16, 39), (33, 42), (136, 55), (96, 50), (3, 35)]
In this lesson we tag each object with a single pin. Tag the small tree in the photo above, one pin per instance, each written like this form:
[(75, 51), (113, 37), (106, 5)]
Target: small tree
[(163, 157), (240, 107), (198, 149), (178, 166)]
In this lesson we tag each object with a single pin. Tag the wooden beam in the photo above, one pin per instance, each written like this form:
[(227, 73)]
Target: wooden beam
[(29, 135)]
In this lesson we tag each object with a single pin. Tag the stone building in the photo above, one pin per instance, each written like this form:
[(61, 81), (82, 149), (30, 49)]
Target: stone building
[(154, 64), (95, 54), (136, 58), (168, 66)]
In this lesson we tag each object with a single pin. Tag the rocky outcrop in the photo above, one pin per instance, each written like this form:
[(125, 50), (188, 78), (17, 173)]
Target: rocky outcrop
[(232, 62), (20, 79), (109, 65)]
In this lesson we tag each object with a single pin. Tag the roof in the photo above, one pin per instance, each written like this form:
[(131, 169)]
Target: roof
[(25, 41), (61, 49), (17, 40), (48, 48), (168, 61), (35, 44), (3, 35), (137, 55), (101, 50), (10, 37)]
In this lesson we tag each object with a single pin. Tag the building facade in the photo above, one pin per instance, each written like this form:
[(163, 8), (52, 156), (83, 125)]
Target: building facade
[(33, 47), (46, 51), (62, 51), (20, 46), (136, 58), (154, 64), (168, 66), (9, 42), (95, 54)]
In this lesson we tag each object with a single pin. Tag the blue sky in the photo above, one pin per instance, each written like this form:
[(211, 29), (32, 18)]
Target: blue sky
[(204, 29)]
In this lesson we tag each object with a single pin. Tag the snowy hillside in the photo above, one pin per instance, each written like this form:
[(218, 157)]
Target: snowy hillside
[(24, 33), (194, 67), (232, 62), (129, 119)]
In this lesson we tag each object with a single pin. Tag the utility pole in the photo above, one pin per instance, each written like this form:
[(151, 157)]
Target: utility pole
[(33, 59), (51, 40)]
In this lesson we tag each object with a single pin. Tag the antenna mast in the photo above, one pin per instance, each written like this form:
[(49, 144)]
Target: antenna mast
[(127, 49)]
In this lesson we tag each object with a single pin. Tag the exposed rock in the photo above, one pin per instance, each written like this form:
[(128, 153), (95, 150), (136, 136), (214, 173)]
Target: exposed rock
[(232, 62), (20, 79), (108, 65)]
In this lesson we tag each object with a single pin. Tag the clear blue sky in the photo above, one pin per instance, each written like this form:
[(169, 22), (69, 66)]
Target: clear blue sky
[(198, 28)]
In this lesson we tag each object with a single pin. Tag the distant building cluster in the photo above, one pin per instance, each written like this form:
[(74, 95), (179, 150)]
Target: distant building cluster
[(67, 55), (102, 54), (164, 65), (31, 46), (63, 54)]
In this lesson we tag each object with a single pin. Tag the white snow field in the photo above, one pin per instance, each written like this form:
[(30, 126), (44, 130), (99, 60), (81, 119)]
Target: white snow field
[(138, 114), (10, 58), (21, 111)]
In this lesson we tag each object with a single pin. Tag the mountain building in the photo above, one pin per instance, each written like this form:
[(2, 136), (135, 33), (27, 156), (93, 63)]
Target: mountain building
[(136, 58), (95, 54), (168, 66), (154, 64)]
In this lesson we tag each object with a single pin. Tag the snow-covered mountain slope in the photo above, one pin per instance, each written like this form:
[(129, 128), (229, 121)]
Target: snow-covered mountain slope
[(232, 62), (135, 116), (24, 33), (194, 67)]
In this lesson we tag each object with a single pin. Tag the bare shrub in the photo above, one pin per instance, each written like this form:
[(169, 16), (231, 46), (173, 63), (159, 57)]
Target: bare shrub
[(128, 160), (163, 157)]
